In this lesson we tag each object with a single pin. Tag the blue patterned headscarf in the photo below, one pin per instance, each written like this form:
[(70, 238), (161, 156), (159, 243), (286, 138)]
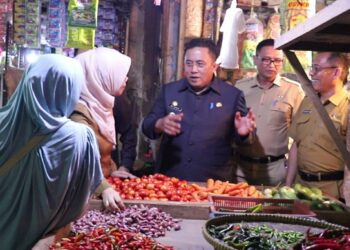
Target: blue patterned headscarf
[(48, 187), (45, 97)]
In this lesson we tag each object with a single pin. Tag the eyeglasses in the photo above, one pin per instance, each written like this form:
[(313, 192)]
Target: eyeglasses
[(317, 68), (267, 61)]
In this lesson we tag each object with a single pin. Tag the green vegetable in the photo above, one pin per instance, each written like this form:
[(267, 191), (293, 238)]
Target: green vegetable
[(255, 209), (243, 236), (288, 193)]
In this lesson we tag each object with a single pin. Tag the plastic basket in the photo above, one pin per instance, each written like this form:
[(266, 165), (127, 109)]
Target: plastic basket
[(223, 205)]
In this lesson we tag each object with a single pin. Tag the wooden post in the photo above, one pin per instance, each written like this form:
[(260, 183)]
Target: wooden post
[(170, 38), (180, 50), (135, 49)]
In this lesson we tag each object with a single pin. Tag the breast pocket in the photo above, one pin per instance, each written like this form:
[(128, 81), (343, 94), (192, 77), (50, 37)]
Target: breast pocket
[(280, 115)]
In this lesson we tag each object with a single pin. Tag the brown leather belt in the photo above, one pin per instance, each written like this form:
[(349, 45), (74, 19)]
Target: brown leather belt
[(263, 159), (328, 176)]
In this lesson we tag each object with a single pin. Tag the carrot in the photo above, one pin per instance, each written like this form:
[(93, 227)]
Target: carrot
[(244, 192), (240, 185), (203, 195), (235, 192), (196, 196), (231, 187), (210, 189), (251, 190), (197, 187), (254, 194), (222, 188), (217, 183), (228, 187), (210, 183)]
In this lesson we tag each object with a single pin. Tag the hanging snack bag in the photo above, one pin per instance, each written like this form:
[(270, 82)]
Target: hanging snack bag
[(253, 35), (82, 22), (107, 24), (56, 34), (33, 8), (273, 27), (82, 13), (293, 13), (83, 38)]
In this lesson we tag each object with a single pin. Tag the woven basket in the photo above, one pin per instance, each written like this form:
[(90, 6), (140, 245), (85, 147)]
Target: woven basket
[(269, 219)]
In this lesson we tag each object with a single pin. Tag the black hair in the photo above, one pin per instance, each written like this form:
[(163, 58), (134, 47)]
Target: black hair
[(341, 59), (264, 43), (203, 43)]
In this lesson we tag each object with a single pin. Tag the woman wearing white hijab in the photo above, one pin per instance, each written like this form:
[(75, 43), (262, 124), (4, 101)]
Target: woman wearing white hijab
[(106, 75), (49, 165)]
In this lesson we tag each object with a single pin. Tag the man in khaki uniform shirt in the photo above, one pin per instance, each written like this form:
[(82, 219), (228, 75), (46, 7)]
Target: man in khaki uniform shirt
[(314, 158), (274, 100)]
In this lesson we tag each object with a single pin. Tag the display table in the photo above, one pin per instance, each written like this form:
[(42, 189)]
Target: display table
[(192, 215), (188, 238)]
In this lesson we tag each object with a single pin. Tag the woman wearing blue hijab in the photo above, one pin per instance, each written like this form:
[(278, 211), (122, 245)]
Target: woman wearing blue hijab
[(49, 165)]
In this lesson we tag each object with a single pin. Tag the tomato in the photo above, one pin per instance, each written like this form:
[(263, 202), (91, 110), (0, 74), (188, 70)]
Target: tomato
[(158, 185), (150, 186), (129, 197), (153, 195), (160, 194), (181, 192), (175, 197), (182, 184), (164, 188), (151, 191), (124, 185), (170, 193), (160, 177), (139, 186), (143, 193), (174, 180), (130, 192), (189, 197)]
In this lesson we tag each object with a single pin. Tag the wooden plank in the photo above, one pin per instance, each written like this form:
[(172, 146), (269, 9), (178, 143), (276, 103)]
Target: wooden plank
[(326, 30), (180, 210)]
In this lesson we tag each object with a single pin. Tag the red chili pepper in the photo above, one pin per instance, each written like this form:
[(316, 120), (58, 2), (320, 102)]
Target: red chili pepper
[(329, 246)]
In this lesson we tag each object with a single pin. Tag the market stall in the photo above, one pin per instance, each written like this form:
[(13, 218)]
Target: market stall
[(178, 215), (194, 203)]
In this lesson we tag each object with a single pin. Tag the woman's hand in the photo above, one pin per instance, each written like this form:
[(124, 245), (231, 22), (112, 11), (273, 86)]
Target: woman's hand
[(123, 172), (111, 199)]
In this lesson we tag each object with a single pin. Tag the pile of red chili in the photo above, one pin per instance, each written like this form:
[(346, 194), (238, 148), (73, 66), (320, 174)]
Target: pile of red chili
[(108, 239), (327, 240)]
